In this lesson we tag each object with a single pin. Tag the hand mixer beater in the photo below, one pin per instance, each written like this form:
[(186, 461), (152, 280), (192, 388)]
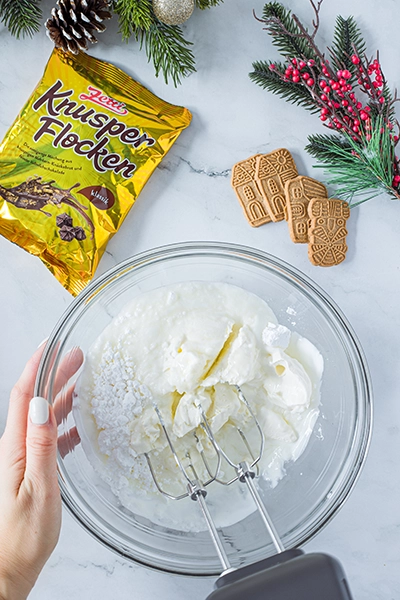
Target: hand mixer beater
[(289, 574)]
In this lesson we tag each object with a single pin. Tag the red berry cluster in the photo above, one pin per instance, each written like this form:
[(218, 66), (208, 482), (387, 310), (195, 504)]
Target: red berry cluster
[(338, 101), (372, 81), (334, 93), (371, 78), (296, 72)]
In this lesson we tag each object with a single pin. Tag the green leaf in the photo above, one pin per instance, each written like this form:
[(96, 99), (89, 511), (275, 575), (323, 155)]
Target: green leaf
[(284, 31), (271, 81), (21, 17), (347, 36)]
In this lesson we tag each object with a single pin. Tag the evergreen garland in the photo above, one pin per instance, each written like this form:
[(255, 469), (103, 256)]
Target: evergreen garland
[(165, 45), (349, 92)]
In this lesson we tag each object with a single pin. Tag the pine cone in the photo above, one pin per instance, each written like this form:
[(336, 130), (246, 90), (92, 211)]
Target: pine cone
[(73, 23)]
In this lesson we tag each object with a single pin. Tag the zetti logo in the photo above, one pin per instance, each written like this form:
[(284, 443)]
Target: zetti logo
[(95, 95)]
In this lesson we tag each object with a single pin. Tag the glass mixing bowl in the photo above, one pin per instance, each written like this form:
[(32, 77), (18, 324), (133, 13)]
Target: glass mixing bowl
[(315, 486)]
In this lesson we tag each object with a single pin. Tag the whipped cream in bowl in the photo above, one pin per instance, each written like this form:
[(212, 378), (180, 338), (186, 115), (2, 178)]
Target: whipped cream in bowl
[(183, 326), (185, 347)]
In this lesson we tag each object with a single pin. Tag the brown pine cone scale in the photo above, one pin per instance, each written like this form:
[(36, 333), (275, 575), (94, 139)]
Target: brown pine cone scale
[(73, 23)]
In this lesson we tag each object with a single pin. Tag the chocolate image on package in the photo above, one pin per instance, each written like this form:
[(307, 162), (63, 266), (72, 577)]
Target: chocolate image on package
[(272, 172), (298, 192), (34, 194), (63, 219), (66, 233), (327, 234), (246, 188), (88, 131), (79, 233)]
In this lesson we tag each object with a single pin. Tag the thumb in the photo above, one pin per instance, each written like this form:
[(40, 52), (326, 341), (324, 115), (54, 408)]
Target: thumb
[(41, 442)]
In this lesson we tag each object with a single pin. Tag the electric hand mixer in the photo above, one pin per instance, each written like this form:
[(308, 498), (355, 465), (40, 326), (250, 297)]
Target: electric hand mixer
[(289, 574)]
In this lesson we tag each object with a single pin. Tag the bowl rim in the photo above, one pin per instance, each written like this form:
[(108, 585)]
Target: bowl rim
[(208, 248)]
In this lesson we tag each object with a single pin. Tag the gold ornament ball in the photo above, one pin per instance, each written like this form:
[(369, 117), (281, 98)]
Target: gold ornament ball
[(173, 12)]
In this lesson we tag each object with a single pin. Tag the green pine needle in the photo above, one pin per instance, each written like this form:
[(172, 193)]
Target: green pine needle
[(21, 17), (134, 15), (346, 38), (326, 147), (389, 108), (169, 51), (355, 170), (164, 44), (275, 13), (202, 4), (271, 81), (357, 167)]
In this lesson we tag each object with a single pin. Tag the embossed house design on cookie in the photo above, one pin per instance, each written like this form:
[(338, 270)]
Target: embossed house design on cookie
[(272, 172), (247, 191), (298, 193)]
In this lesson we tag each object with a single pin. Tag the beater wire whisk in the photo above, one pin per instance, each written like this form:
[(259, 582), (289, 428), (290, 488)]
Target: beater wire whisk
[(245, 473), (290, 573)]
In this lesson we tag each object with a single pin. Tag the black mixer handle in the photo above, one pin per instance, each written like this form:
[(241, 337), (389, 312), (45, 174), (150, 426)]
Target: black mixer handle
[(290, 575)]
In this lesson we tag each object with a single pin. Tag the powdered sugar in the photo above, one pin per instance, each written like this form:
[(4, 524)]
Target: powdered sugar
[(117, 398)]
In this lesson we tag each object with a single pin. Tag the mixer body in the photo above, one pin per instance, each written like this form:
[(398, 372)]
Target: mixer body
[(289, 575)]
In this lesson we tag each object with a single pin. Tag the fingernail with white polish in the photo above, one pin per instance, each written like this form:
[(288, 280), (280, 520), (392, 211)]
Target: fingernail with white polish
[(43, 341), (39, 410)]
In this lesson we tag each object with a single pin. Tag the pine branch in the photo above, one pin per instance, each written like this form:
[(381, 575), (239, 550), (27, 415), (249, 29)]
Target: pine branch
[(21, 17), (325, 147), (355, 170), (285, 33), (169, 51), (390, 108), (361, 158), (389, 105), (202, 4), (134, 15), (347, 38), (273, 82), (164, 44)]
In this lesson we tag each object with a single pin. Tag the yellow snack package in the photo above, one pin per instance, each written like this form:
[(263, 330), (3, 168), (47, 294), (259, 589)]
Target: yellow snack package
[(75, 159)]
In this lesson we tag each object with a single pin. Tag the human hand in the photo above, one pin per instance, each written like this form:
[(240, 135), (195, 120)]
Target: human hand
[(30, 504)]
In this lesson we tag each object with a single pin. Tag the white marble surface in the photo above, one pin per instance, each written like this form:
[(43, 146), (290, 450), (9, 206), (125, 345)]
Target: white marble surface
[(189, 198)]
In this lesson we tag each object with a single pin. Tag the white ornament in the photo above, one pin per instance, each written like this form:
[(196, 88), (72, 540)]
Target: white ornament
[(173, 12)]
